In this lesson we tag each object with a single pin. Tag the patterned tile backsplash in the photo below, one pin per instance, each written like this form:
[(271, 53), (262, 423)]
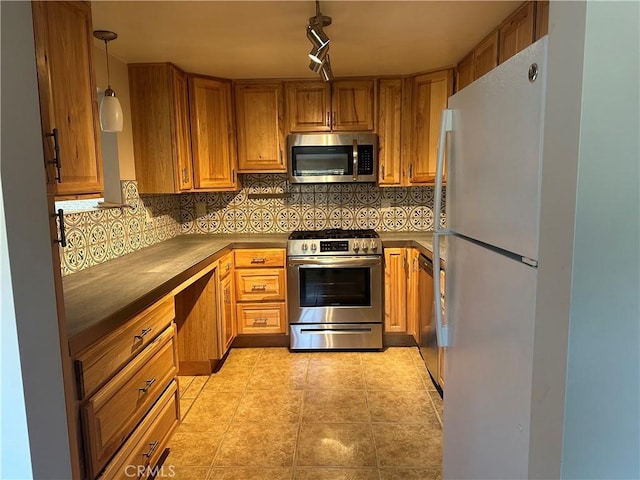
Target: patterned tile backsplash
[(97, 236)]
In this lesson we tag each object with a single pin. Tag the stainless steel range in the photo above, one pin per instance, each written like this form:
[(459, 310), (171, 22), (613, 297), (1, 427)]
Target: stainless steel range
[(335, 289)]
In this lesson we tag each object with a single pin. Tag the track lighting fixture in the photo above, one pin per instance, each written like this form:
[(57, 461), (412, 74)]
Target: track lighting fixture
[(319, 53), (111, 119)]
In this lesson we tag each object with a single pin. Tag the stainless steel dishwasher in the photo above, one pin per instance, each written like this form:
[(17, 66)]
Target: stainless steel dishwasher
[(426, 316)]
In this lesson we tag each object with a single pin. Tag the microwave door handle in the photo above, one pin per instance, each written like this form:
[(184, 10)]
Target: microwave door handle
[(355, 160)]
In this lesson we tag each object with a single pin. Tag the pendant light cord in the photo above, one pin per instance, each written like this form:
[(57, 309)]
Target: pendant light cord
[(106, 48)]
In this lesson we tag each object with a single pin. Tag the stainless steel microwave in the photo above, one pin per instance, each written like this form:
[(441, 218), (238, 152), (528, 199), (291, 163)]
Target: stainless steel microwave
[(332, 157)]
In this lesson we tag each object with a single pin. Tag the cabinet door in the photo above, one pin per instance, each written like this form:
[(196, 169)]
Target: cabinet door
[(308, 106), (212, 134), (160, 127), (395, 294), (389, 132), (542, 18), (464, 72), (181, 137), (260, 121), (413, 270), (68, 96), (352, 105), (227, 314), (430, 94), (485, 56), (516, 33)]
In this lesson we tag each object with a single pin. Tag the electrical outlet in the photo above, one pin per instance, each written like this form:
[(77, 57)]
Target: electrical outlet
[(201, 209), (149, 214), (385, 203)]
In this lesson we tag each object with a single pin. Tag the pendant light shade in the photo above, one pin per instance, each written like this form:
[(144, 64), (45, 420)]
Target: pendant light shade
[(319, 53), (111, 118)]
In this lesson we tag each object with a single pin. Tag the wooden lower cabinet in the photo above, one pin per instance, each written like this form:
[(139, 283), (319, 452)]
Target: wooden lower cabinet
[(400, 294), (226, 312), (139, 456), (260, 287)]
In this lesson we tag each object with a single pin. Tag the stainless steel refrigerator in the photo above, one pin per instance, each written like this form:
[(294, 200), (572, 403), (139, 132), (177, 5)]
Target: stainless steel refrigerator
[(493, 130)]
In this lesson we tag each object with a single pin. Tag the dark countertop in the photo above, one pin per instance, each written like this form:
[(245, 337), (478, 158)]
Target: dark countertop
[(101, 298)]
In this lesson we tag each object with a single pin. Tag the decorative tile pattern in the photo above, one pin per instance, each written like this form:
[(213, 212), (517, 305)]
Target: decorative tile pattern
[(308, 207), (97, 236)]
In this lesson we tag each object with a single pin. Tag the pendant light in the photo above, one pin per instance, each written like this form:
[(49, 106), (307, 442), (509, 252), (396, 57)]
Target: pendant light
[(111, 119)]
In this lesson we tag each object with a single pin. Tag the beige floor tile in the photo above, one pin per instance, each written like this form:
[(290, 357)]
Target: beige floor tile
[(426, 378), (408, 445), (185, 405), (409, 474), (214, 407), (277, 377), (195, 444), (282, 356), (250, 473), (195, 386), (270, 406), (184, 473), (243, 357), (335, 406), (438, 403), (332, 377), (398, 406), (183, 383), (333, 444), (333, 473), (251, 444), (392, 356), (228, 379), (380, 377), (335, 358)]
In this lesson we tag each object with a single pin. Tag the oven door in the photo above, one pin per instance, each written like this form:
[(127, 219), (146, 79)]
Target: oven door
[(335, 290)]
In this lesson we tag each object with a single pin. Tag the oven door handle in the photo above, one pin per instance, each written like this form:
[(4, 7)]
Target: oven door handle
[(335, 262)]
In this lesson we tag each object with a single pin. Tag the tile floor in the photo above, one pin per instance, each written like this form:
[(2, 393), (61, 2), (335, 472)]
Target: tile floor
[(272, 414)]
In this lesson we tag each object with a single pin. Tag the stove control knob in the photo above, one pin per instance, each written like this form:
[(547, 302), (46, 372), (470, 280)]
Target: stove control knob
[(304, 247), (313, 247), (373, 245), (356, 247)]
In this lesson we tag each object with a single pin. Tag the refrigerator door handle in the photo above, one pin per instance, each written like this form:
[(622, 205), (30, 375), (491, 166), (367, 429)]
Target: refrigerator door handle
[(442, 331)]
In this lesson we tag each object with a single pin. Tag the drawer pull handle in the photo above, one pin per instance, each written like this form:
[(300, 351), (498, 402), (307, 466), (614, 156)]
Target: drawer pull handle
[(228, 267), (152, 448), (258, 288), (258, 260), (143, 333), (260, 321), (145, 389)]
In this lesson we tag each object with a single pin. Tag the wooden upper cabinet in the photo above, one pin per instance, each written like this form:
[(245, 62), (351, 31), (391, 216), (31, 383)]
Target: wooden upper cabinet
[(68, 96), (308, 106), (516, 33), (352, 103), (160, 127), (464, 72), (260, 127), (390, 131), (430, 94), (212, 134), (485, 56), (542, 18), (343, 105)]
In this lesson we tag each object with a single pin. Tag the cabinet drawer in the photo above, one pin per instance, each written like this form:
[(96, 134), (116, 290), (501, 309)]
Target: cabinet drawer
[(226, 265), (261, 318), (264, 257), (143, 449), (113, 412), (259, 284), (96, 364)]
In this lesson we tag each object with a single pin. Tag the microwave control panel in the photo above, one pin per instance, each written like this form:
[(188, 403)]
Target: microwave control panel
[(365, 160)]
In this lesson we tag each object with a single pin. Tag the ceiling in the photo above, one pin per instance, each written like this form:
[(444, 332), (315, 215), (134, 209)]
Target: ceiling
[(266, 39)]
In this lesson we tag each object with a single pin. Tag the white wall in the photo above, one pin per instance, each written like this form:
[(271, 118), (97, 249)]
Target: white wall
[(602, 420), (30, 262)]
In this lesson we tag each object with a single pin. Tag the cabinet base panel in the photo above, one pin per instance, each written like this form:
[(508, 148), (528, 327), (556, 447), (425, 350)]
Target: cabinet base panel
[(398, 340), (265, 340), (199, 367)]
